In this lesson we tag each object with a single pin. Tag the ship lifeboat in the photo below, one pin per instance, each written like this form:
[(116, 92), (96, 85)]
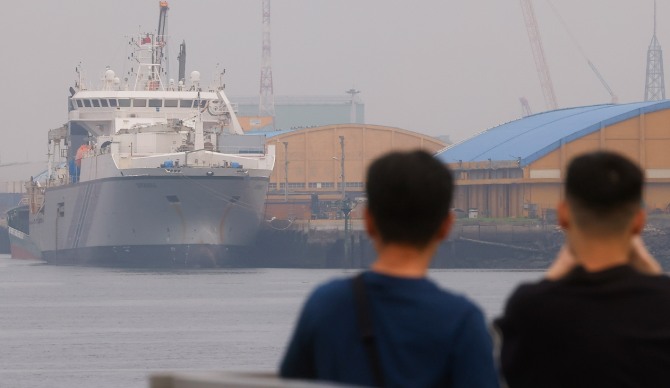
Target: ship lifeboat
[(81, 152)]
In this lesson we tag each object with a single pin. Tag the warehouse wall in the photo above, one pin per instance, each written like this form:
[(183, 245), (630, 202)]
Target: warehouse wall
[(644, 138)]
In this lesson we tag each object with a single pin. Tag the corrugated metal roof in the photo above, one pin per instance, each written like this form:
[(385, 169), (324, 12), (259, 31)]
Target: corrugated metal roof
[(532, 137)]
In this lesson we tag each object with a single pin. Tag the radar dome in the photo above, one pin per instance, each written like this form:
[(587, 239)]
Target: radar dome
[(171, 81), (195, 76), (109, 75), (117, 80)]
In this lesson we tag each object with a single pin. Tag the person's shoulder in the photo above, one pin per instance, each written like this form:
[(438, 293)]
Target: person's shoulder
[(452, 301), (330, 294), (533, 292), (333, 288), (660, 283)]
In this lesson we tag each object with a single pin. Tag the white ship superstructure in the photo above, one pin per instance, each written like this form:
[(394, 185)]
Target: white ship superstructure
[(148, 172)]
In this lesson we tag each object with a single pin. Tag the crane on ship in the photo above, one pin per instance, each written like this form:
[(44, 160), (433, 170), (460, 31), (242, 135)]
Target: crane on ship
[(161, 40)]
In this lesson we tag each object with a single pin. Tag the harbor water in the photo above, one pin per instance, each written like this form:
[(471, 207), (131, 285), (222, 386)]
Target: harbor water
[(103, 327)]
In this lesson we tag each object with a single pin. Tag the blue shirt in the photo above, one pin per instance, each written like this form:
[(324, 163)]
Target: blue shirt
[(426, 336)]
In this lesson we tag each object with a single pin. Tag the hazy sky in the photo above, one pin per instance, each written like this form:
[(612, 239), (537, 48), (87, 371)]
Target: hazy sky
[(431, 66)]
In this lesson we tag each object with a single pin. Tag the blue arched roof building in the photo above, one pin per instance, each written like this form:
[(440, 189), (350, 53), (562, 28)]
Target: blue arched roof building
[(516, 169), (532, 137)]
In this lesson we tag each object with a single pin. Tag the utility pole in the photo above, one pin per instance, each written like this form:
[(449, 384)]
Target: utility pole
[(346, 208), (344, 195), (285, 171)]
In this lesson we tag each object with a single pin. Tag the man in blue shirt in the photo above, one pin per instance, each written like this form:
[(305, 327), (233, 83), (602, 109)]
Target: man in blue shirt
[(395, 327)]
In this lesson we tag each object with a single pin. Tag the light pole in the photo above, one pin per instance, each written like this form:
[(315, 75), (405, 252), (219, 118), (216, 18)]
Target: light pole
[(342, 167), (285, 171), (346, 208), (352, 112)]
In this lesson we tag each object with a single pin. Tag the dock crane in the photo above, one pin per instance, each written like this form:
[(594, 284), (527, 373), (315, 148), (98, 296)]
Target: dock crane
[(538, 54), (525, 107), (613, 96)]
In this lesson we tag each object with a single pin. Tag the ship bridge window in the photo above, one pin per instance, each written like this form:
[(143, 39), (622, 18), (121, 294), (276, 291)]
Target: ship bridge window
[(186, 103), (171, 103), (139, 102), (96, 103), (203, 103), (112, 102), (155, 103), (124, 102), (87, 103), (103, 103), (79, 103)]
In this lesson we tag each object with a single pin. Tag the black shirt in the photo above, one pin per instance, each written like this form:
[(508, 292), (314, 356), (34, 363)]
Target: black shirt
[(604, 329)]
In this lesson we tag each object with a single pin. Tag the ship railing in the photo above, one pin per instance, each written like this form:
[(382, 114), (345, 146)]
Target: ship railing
[(231, 380)]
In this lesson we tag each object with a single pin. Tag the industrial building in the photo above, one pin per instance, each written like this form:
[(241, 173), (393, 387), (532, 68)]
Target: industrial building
[(313, 160), (516, 169)]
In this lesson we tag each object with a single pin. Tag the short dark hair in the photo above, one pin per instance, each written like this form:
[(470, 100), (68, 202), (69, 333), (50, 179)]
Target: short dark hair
[(409, 196), (604, 190)]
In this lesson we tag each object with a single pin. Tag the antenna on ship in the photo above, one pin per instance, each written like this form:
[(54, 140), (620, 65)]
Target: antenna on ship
[(181, 58), (266, 106)]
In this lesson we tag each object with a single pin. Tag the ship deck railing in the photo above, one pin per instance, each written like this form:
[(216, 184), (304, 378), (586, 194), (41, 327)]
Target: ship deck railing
[(231, 380)]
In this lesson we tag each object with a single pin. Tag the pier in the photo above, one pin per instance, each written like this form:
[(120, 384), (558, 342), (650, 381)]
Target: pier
[(472, 244)]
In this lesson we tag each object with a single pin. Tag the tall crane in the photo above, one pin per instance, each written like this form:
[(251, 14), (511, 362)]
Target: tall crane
[(538, 54), (614, 97), (161, 39)]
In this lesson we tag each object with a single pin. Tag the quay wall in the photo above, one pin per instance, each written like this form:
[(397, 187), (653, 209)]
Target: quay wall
[(321, 244), (491, 244)]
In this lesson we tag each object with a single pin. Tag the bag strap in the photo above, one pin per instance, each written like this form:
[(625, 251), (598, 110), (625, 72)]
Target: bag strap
[(365, 327)]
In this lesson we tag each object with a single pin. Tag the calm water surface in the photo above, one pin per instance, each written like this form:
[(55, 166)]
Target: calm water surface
[(100, 327)]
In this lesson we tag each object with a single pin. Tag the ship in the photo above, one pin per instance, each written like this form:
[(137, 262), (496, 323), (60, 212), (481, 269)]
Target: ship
[(149, 172), (21, 246)]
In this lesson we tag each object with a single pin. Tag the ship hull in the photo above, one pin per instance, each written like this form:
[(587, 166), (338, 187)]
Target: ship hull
[(149, 221), (145, 256), (21, 246)]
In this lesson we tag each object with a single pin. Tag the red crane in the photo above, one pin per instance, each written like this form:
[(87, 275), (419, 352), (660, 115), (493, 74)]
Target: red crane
[(538, 55)]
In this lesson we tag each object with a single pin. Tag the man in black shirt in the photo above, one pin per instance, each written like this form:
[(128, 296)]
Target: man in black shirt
[(601, 316)]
